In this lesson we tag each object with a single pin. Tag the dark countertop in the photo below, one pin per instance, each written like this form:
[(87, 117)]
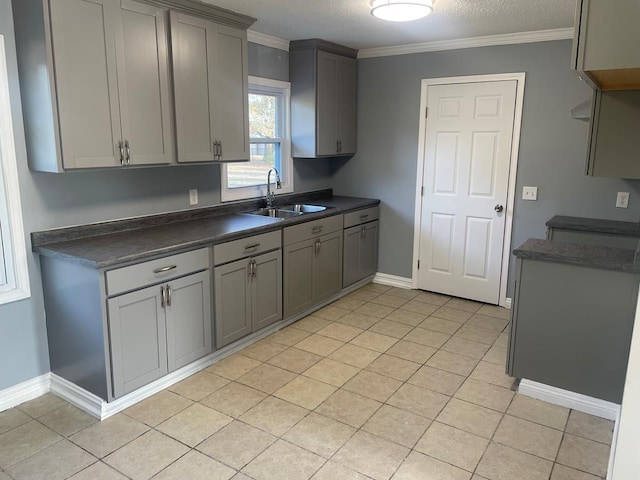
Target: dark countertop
[(595, 225), (113, 243), (594, 256)]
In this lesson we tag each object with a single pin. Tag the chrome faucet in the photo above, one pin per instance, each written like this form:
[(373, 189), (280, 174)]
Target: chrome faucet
[(270, 194)]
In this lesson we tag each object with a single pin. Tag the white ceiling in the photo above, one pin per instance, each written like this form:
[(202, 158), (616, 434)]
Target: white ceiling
[(350, 23)]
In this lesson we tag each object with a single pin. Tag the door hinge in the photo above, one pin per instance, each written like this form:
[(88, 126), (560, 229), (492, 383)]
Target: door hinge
[(426, 112), (418, 264), (422, 191)]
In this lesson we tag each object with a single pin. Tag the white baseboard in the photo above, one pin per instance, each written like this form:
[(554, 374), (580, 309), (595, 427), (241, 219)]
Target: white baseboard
[(565, 398), (507, 303), (23, 392), (393, 281)]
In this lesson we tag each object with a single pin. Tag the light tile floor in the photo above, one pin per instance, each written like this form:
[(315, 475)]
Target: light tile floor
[(384, 383)]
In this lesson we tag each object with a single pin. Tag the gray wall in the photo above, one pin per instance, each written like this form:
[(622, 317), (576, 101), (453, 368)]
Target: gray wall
[(552, 148), (50, 200)]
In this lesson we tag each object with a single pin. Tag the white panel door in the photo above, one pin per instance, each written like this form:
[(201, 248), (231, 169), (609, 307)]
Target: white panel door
[(466, 173)]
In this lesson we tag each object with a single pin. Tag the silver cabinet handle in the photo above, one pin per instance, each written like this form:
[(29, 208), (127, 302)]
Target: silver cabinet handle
[(215, 150), (364, 217), (498, 208), (168, 295), (249, 248), (163, 297), (317, 229), (127, 151), (254, 269), (165, 269), (219, 150), (317, 247), (363, 231), (121, 149)]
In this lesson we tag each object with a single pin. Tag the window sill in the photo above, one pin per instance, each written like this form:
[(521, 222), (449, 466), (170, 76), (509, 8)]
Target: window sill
[(15, 295)]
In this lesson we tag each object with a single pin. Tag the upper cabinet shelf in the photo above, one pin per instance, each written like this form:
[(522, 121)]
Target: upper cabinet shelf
[(97, 83), (606, 40), (323, 99)]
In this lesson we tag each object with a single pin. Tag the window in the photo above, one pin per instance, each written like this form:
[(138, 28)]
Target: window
[(14, 279), (269, 143)]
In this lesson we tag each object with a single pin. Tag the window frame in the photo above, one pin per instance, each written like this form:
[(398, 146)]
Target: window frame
[(13, 244), (266, 86)]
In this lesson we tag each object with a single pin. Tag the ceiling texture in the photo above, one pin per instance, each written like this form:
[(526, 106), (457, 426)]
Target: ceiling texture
[(350, 23)]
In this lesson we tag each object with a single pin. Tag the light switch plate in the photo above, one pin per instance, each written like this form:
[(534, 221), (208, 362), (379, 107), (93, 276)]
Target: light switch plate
[(529, 193), (193, 196), (623, 200)]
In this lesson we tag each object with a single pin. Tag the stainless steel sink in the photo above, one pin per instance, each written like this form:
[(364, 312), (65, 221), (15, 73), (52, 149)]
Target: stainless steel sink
[(302, 208), (275, 213)]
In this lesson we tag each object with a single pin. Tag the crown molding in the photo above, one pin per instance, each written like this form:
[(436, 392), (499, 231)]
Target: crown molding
[(267, 40), (487, 41)]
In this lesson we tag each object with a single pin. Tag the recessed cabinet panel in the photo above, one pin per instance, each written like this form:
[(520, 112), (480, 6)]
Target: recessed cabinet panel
[(143, 84), (298, 277), (231, 99), (351, 260), (369, 250), (193, 72), (267, 290), (83, 34), (360, 252), (327, 103), (138, 339), (188, 319), (328, 279), (347, 105), (233, 302)]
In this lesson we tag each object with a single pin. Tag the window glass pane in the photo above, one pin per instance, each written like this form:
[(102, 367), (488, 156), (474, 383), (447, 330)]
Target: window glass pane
[(263, 122), (264, 156)]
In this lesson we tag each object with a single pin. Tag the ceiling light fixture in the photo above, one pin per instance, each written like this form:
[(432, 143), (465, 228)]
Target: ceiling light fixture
[(401, 10)]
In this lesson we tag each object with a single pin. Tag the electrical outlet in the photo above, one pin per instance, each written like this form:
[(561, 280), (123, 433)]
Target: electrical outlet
[(530, 193), (193, 196), (623, 200)]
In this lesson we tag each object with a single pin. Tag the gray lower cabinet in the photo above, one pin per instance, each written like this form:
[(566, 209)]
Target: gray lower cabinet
[(248, 292), (159, 329), (360, 245), (571, 327), (313, 266), (585, 237)]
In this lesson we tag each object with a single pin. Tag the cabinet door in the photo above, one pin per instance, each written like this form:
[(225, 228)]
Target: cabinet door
[(138, 339), (193, 43), (326, 103), (231, 93), (327, 276), (188, 319), (351, 260), (83, 37), (369, 250), (232, 301), (267, 290), (346, 105), (298, 274), (143, 81)]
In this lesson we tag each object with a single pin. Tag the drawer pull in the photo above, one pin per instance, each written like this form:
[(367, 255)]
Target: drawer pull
[(251, 247), (165, 269), (364, 217), (317, 229)]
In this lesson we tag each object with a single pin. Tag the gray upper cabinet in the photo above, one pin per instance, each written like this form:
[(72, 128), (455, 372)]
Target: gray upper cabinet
[(96, 86), (614, 149), (605, 43), (323, 99), (211, 87)]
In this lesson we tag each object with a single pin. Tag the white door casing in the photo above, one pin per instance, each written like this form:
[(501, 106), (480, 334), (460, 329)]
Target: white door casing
[(466, 169)]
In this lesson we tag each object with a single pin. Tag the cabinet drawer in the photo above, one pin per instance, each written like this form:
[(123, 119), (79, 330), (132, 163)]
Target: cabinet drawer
[(361, 216), (245, 247), (305, 231), (154, 271)]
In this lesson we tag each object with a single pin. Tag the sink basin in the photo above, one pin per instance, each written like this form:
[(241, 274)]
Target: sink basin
[(302, 208), (275, 213)]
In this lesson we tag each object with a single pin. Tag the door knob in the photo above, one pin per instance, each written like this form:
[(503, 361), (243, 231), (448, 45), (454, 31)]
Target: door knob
[(498, 208)]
